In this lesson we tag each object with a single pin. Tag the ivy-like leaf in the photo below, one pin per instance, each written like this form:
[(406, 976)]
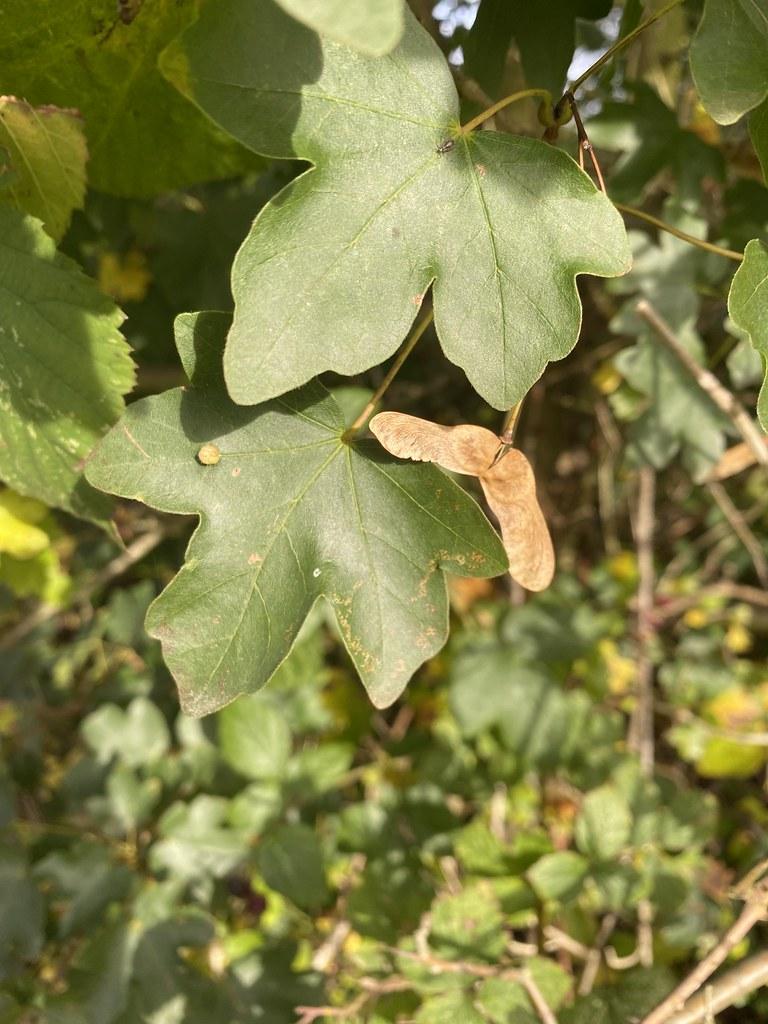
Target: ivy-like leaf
[(64, 368), (142, 136), (729, 57), (345, 253), (46, 154), (370, 26), (289, 513), (748, 308)]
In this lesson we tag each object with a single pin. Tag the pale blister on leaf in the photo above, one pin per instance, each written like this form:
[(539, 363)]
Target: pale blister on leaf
[(508, 484), (748, 308), (370, 26), (344, 255), (289, 513)]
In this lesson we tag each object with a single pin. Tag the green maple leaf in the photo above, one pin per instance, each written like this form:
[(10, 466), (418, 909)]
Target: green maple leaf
[(748, 308), (143, 137), (64, 368), (371, 26), (343, 256), (729, 57), (46, 157), (289, 513)]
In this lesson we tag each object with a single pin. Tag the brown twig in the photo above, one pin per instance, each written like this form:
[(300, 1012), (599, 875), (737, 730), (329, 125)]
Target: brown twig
[(540, 1005), (595, 955), (733, 986), (754, 910), (641, 738), (741, 529), (710, 385)]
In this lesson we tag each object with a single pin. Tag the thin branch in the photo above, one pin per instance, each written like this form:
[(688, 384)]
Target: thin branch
[(754, 911), (662, 225), (641, 737), (595, 955), (540, 1005), (515, 97), (742, 530), (717, 392), (392, 372), (134, 553), (733, 986), (620, 44)]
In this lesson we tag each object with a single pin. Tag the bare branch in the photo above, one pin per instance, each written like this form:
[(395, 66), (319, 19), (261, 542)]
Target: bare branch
[(708, 382)]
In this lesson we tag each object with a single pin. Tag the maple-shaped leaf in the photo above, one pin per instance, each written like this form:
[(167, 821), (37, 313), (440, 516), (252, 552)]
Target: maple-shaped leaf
[(289, 512), (397, 199), (748, 308)]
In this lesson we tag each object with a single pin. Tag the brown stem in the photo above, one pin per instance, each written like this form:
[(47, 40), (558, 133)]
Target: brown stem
[(641, 729), (392, 372), (662, 225), (754, 910), (741, 529)]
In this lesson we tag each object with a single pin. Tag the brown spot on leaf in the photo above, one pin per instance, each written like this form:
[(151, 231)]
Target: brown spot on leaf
[(254, 559), (236, 471)]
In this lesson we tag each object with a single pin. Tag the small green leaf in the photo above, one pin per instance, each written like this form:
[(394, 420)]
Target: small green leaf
[(370, 26), (291, 862), (604, 824), (197, 841), (47, 154), (729, 57), (64, 368), (558, 876), (291, 513), (255, 738), (336, 267), (748, 308), (468, 925), (136, 736)]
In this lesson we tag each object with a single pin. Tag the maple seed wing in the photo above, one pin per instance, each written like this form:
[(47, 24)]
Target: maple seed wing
[(510, 490), (463, 449)]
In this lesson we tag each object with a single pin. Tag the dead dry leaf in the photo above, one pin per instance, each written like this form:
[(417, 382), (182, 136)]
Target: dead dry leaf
[(734, 460), (509, 485)]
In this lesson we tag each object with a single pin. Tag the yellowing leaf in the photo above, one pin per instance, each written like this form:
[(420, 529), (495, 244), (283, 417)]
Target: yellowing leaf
[(126, 278), (20, 535), (47, 155), (728, 759)]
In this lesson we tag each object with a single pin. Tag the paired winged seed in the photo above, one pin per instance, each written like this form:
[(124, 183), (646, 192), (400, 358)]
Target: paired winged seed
[(508, 484)]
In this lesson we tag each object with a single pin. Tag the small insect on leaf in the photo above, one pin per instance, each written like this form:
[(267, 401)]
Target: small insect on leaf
[(508, 484), (209, 455), (445, 146)]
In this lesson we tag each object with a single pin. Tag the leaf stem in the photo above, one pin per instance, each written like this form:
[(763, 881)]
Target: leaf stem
[(624, 41), (484, 115), (730, 254), (392, 372)]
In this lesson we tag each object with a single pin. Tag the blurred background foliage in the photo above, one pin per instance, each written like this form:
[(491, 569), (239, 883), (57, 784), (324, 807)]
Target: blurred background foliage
[(300, 849)]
